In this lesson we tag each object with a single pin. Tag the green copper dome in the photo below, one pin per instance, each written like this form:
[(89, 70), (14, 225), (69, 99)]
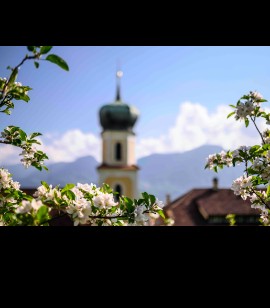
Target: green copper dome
[(118, 115)]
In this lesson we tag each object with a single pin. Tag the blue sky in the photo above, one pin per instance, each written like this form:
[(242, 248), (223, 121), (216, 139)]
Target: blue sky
[(182, 93)]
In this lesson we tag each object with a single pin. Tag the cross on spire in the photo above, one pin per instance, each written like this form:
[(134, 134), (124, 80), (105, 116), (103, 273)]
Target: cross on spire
[(119, 75)]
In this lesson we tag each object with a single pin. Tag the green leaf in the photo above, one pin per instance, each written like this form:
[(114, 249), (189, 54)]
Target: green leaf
[(68, 187), (251, 171), (113, 209), (129, 204), (36, 166), (13, 76), (152, 199), (160, 212), (119, 223), (24, 97), (146, 198), (31, 141), (27, 88), (230, 114), (232, 106), (70, 194), (45, 49), (231, 219), (57, 60), (36, 64), (145, 195), (22, 135), (140, 201), (13, 129), (45, 184), (254, 149), (42, 213), (31, 48), (39, 152), (246, 122), (106, 188), (266, 146), (6, 111), (268, 191), (33, 135)]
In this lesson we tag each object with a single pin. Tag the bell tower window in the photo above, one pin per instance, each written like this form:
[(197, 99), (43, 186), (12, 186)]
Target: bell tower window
[(118, 151), (118, 189)]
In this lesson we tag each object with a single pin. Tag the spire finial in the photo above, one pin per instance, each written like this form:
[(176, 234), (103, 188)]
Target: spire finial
[(119, 75)]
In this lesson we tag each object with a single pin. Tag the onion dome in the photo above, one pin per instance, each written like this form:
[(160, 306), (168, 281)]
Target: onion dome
[(118, 115)]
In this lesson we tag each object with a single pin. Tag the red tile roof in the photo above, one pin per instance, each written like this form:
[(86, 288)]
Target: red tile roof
[(195, 207), (223, 202)]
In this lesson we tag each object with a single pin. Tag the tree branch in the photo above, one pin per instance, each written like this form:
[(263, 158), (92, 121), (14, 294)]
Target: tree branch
[(254, 191), (253, 120), (5, 142), (17, 67), (26, 58), (107, 217)]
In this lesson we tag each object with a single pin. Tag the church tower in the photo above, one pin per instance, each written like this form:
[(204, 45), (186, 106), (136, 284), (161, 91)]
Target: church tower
[(118, 167)]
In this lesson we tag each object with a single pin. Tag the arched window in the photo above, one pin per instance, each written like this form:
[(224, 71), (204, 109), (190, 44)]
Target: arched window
[(118, 151), (118, 189)]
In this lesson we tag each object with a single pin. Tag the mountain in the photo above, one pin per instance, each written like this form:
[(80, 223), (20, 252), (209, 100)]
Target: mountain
[(83, 170), (177, 173), (159, 174)]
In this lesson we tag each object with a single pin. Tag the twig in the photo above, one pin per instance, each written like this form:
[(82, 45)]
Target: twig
[(253, 120)]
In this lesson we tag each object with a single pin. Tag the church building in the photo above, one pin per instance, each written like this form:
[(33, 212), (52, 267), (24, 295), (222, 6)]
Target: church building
[(118, 167)]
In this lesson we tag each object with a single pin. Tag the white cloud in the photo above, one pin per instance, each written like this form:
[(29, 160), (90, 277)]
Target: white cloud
[(71, 145), (9, 155), (65, 147), (194, 126)]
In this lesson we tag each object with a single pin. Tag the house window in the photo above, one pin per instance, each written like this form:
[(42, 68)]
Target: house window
[(118, 151), (118, 189), (217, 220)]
